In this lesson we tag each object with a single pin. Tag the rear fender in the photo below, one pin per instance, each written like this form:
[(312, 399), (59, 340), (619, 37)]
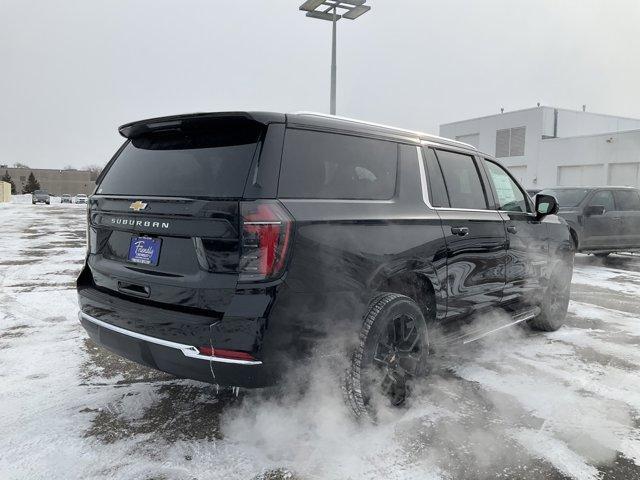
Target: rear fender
[(418, 269)]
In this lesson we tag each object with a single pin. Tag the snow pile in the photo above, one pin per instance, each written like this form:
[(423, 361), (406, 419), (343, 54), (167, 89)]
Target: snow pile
[(517, 405)]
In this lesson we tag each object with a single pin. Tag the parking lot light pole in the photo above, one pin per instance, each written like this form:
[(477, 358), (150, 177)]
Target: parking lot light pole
[(334, 10)]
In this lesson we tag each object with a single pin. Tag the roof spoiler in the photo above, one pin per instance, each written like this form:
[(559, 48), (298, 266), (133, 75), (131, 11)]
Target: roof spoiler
[(175, 122)]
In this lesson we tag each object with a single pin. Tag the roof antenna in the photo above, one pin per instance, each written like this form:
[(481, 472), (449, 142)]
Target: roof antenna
[(538, 103), (584, 108), (501, 110)]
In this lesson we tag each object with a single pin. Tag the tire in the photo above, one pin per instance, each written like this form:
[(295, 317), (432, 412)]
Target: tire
[(393, 345), (556, 300)]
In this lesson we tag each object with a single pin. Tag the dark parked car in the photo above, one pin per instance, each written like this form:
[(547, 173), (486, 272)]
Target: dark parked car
[(232, 247), (66, 198), (602, 219), (40, 196)]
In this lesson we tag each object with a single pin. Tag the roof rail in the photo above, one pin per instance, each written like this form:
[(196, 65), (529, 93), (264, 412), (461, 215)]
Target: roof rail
[(397, 129)]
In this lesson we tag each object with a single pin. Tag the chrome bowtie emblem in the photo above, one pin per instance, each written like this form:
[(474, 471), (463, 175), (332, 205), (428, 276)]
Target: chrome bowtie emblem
[(137, 206)]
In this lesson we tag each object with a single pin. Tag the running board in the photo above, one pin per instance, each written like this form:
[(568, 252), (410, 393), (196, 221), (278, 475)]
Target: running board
[(472, 336), (519, 318)]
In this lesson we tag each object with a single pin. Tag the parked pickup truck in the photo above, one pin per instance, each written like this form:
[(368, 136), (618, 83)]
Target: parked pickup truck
[(601, 220)]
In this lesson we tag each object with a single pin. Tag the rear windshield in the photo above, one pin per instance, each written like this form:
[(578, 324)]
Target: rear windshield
[(335, 166), (41, 192), (567, 197), (209, 160)]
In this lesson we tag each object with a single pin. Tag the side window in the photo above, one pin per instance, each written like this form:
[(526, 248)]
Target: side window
[(604, 198), (627, 200), (437, 189), (328, 165), (510, 197), (462, 180)]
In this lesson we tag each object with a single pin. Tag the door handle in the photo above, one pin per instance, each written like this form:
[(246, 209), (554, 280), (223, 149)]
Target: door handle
[(460, 231), (512, 229)]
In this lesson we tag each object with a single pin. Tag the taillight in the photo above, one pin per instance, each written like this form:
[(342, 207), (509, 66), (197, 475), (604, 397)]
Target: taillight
[(266, 234), (223, 353)]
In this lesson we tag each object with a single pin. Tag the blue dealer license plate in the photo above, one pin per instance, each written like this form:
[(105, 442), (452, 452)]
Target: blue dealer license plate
[(145, 250)]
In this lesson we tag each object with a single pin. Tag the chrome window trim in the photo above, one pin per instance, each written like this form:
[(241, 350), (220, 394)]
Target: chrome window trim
[(187, 350), (425, 192)]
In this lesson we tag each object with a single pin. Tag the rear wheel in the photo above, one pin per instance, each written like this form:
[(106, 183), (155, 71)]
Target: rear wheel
[(556, 300), (391, 353)]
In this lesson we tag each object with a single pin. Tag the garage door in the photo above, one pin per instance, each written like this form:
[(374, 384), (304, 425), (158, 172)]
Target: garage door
[(579, 175), (624, 174), (520, 172)]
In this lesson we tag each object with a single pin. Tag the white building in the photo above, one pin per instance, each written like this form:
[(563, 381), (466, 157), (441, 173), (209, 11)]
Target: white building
[(547, 147)]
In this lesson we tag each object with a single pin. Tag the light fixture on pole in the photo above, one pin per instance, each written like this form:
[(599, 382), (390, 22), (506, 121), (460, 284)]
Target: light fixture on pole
[(334, 10)]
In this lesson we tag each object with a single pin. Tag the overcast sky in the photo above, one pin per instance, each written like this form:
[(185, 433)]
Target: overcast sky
[(72, 71)]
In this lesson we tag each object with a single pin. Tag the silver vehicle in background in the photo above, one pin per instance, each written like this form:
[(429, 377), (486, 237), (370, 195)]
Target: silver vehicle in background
[(40, 196), (81, 198), (601, 220), (66, 198)]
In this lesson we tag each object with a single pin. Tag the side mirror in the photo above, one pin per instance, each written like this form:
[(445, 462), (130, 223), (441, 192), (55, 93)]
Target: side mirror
[(594, 210), (546, 205)]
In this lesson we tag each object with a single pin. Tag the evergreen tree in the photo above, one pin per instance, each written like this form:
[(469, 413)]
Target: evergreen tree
[(32, 184), (7, 178)]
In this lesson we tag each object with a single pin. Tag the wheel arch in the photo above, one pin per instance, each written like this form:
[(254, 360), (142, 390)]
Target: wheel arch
[(417, 281), (574, 237)]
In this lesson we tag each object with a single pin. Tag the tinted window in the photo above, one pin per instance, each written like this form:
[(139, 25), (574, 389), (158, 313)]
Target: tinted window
[(462, 180), (510, 197), (567, 197), (327, 165), (437, 189), (627, 199), (200, 162), (603, 198)]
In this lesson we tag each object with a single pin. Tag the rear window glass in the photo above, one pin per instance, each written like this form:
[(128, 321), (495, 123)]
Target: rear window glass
[(627, 200), (437, 188), (210, 160), (327, 165), (567, 197), (462, 180)]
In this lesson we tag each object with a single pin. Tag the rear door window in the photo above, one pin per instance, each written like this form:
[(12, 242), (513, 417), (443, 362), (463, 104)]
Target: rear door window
[(211, 162), (437, 188), (462, 180), (335, 166), (627, 200)]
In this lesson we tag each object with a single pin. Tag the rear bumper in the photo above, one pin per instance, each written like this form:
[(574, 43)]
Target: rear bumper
[(175, 358)]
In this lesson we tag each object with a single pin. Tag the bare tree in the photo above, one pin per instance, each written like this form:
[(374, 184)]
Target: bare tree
[(94, 170)]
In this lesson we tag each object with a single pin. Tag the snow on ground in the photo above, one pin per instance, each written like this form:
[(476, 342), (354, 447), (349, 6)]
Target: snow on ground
[(521, 405)]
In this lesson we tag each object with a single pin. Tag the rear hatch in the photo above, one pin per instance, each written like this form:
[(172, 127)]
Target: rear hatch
[(164, 222)]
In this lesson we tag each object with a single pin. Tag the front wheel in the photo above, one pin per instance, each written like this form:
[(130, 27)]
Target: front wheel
[(391, 353), (556, 300)]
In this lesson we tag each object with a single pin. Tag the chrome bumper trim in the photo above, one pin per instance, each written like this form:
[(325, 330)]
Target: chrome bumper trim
[(187, 350)]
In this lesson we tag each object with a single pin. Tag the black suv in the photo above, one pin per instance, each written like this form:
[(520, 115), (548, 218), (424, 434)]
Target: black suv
[(231, 247), (601, 219)]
